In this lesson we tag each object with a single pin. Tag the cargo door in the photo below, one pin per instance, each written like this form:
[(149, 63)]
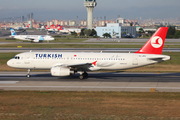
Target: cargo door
[(135, 60)]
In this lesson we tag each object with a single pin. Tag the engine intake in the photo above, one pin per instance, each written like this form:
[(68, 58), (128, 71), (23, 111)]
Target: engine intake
[(35, 41)]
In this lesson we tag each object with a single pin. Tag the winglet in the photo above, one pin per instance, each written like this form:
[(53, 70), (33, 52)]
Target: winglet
[(155, 44)]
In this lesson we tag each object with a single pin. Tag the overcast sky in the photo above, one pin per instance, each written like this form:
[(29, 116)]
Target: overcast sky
[(70, 9)]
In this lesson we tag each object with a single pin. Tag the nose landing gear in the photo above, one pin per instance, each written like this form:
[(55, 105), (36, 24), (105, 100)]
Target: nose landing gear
[(28, 75)]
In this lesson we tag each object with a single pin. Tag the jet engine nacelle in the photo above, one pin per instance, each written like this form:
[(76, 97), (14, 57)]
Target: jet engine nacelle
[(60, 71), (35, 41)]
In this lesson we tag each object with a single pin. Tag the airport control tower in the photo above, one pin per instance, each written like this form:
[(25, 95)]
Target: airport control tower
[(90, 4)]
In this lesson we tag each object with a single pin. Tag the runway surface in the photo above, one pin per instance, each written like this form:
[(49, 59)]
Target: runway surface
[(162, 82)]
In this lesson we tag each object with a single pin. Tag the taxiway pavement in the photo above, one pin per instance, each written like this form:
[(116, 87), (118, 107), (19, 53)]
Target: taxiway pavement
[(7, 50)]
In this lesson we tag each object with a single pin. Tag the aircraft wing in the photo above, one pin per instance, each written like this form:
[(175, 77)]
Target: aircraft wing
[(30, 38), (81, 66)]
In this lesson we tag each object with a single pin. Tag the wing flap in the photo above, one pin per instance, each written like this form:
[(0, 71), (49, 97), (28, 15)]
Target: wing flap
[(79, 65), (29, 38)]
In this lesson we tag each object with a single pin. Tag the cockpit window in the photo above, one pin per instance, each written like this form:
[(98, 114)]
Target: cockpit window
[(16, 57)]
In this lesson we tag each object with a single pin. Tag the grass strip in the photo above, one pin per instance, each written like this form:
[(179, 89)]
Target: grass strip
[(48, 105)]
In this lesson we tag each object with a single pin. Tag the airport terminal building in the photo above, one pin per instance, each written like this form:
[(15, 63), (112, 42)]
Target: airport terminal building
[(115, 30)]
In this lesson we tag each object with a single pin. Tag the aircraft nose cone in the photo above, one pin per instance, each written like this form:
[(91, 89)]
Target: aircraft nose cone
[(9, 63)]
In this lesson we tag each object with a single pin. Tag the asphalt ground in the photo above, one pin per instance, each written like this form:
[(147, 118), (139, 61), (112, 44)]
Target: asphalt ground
[(109, 81), (105, 50)]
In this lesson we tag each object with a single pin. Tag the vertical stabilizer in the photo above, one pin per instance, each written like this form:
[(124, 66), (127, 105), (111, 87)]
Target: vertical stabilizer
[(155, 44), (13, 32)]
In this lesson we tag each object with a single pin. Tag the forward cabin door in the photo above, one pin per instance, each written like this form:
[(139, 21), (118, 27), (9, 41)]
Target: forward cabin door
[(135, 60), (28, 60)]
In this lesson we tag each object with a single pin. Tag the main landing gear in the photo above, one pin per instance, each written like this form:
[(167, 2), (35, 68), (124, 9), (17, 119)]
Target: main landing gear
[(83, 75), (28, 75)]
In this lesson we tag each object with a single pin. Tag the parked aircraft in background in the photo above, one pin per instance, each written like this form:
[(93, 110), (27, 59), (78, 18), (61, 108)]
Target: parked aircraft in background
[(21, 28), (75, 30), (32, 38), (67, 63), (53, 27), (62, 30), (40, 29), (59, 28), (68, 30), (50, 29)]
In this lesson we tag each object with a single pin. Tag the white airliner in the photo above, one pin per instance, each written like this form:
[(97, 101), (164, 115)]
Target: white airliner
[(67, 63), (32, 38), (74, 30), (59, 28)]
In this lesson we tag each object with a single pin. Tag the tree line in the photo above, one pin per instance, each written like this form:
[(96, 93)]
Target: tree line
[(86, 32), (173, 33)]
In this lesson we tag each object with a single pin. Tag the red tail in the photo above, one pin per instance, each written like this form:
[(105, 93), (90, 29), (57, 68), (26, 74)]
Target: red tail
[(51, 27), (54, 27), (47, 27), (28, 25), (60, 28), (155, 44)]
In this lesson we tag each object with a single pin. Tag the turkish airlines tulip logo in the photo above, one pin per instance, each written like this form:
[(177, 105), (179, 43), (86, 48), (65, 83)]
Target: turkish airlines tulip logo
[(156, 42)]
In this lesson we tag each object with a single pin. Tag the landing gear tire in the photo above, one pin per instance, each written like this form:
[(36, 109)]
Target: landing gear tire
[(28, 76), (81, 77), (85, 74)]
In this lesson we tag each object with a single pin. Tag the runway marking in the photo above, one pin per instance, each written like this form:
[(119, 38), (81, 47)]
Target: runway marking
[(94, 87), (8, 82)]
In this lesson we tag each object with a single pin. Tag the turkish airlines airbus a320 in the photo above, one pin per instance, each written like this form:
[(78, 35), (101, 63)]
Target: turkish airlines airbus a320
[(67, 63)]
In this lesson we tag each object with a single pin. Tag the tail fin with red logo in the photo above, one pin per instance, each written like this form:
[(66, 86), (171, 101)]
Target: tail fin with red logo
[(54, 27), (155, 44), (60, 28), (28, 25), (46, 27)]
